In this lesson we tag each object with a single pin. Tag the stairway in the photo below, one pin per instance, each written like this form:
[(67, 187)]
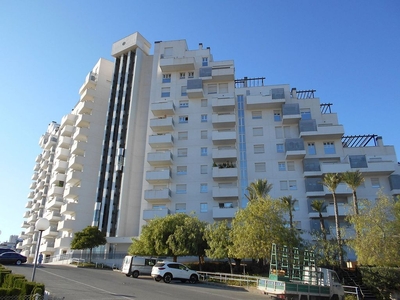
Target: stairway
[(354, 278)]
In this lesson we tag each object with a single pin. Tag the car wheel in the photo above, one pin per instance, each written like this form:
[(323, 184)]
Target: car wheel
[(167, 278), (157, 279), (135, 274), (18, 262), (127, 275), (193, 278)]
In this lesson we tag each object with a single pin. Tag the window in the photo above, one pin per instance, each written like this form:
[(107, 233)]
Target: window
[(375, 183), (190, 74), (204, 62), (292, 185), (260, 167), (329, 148), (258, 148), (280, 148), (181, 170), (223, 88), (257, 131), (212, 89), (203, 188), (203, 169), (182, 152), (182, 75), (281, 166), (203, 151), (181, 188), (277, 116), (203, 134), (203, 207), (283, 185), (305, 114), (296, 206), (166, 78), (180, 207), (204, 103), (165, 92), (183, 119), (184, 104), (311, 149), (203, 118), (290, 165), (182, 135), (282, 132), (256, 115), (183, 91)]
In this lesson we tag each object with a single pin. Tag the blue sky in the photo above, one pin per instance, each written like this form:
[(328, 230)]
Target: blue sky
[(349, 51)]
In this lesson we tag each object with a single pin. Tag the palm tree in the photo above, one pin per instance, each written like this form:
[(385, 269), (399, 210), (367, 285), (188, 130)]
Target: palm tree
[(319, 206), (331, 181), (353, 181), (258, 189), (288, 202)]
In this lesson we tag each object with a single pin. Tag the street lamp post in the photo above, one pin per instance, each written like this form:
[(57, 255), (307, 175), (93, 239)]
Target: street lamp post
[(41, 225)]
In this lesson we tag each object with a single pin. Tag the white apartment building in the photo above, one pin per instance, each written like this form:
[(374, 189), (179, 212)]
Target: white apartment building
[(63, 188), (183, 135)]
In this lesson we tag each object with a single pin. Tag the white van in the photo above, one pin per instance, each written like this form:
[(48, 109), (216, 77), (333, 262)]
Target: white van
[(137, 265)]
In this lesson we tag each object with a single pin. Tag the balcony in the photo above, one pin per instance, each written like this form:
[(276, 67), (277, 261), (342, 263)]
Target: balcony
[(63, 242), (76, 162), (25, 224), (78, 148), (71, 192), (263, 102), (224, 74), (324, 132), (52, 141), (46, 154), (342, 189), (343, 210), (62, 154), (60, 166), (31, 230), (295, 148), (38, 158), (69, 208), (379, 167), (38, 197), (36, 167), (42, 174), (90, 82), (225, 192), (67, 120), (67, 130), (162, 124), (55, 191), (54, 203), (334, 167), (50, 232), (32, 186), (223, 137), (222, 154), (163, 195), (159, 158), (57, 177), (64, 142), (224, 213), (85, 107), (175, 64), (32, 218), (223, 120), (44, 164), (31, 195), (223, 104), (26, 214), (150, 214), (47, 246), (23, 235), (87, 95), (194, 88), (52, 216), (163, 108), (29, 203), (66, 225), (224, 173), (73, 177), (158, 176), (81, 134), (161, 141), (27, 242), (83, 121)]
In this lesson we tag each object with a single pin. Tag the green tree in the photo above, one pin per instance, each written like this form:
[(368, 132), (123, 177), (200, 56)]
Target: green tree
[(258, 189), (353, 181), (89, 238), (319, 206), (288, 204), (257, 226), (331, 181), (378, 227), (219, 241)]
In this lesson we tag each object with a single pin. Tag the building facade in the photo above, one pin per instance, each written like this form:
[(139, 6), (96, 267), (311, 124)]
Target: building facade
[(181, 134)]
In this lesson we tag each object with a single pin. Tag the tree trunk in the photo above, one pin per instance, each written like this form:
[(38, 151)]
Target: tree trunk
[(355, 202), (338, 235)]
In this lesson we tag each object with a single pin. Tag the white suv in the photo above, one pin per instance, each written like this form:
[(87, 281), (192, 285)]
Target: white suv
[(171, 270)]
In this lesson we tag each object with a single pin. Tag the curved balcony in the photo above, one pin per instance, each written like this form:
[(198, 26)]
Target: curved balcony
[(78, 148)]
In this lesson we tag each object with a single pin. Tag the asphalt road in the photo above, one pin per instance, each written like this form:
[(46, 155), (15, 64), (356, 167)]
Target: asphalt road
[(84, 284)]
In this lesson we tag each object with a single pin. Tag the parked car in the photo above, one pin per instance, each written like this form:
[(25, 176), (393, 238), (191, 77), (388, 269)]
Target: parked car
[(12, 258), (137, 265), (169, 271), (2, 250)]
